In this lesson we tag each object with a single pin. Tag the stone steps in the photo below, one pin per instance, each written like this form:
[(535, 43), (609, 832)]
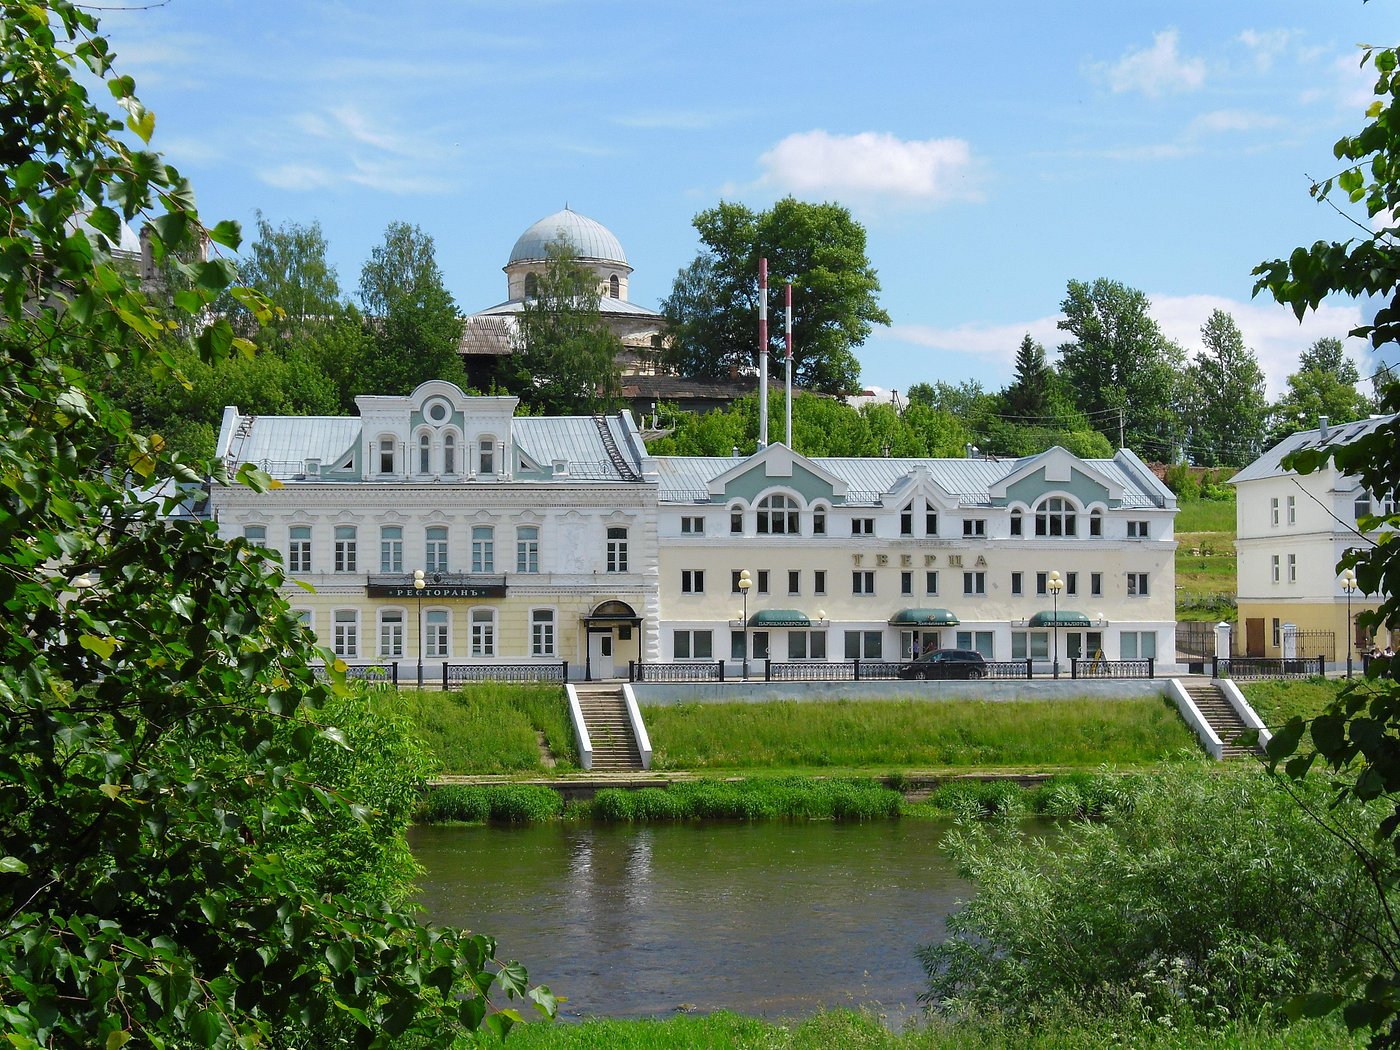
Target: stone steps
[(1221, 717), (609, 729)]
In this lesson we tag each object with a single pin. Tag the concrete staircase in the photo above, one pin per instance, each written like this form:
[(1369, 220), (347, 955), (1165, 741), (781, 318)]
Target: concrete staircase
[(1222, 717), (605, 717)]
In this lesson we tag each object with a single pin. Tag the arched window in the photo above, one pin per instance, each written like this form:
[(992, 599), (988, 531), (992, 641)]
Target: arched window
[(617, 549), (819, 521), (527, 548), (484, 632), (425, 454), (1056, 517), (483, 549), (1096, 523), (449, 453), (391, 633), (386, 455), (437, 627), (436, 549), (614, 287), (777, 516), (391, 548), (532, 286), (1018, 523)]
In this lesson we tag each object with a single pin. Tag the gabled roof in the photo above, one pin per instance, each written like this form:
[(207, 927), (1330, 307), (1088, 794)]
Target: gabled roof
[(1270, 464), (1058, 464), (776, 461)]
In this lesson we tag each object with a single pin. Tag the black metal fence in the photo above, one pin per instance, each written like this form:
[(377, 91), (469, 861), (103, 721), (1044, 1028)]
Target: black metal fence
[(1195, 640), (1080, 668), (1245, 668), (678, 671), (519, 672), (881, 670), (1324, 643), (377, 674)]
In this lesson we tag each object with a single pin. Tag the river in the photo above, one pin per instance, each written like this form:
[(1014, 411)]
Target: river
[(771, 919)]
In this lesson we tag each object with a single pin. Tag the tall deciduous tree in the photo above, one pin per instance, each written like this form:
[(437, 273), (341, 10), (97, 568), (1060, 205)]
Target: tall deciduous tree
[(1324, 385), (1358, 737), (412, 317), (1227, 408), (163, 860), (288, 265), (820, 248), (1119, 360), (566, 356)]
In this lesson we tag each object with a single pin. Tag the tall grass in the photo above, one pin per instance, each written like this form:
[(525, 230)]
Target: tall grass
[(497, 803), (1278, 701), (493, 727), (915, 734), (761, 799), (1205, 515)]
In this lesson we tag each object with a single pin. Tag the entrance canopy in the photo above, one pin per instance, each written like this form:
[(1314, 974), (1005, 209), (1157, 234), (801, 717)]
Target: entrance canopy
[(612, 614), (1064, 618), (779, 618), (924, 618)]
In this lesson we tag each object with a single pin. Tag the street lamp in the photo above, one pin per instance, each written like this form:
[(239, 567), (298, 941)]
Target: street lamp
[(744, 584), (1055, 586), (1349, 585), (418, 585)]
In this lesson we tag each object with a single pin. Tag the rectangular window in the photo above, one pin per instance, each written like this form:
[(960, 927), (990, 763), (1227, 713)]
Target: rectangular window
[(736, 645), (931, 581), (865, 645), (692, 581), (863, 581), (1016, 583), (736, 522), (1096, 584), (527, 548), (345, 544), (617, 549), (1017, 523), (906, 521), (391, 634), (692, 526), (306, 619), (762, 581), (819, 581), (1137, 645), (1042, 584), (1362, 506), (806, 645), (931, 523), (1137, 530), (862, 526), (1071, 583), (483, 632), (1273, 511), (346, 636), (1292, 510), (299, 550), (1293, 568), (436, 549), (906, 583), (435, 623), (974, 583), (734, 575), (694, 645), (1137, 585), (794, 581), (256, 535), (542, 632), (391, 548), (819, 521), (974, 526), (1034, 645), (1278, 632), (760, 645), (981, 641), (483, 549), (1274, 568)]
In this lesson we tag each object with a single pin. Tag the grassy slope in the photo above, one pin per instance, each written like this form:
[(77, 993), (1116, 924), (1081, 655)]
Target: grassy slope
[(1277, 702), (493, 727), (1206, 527)]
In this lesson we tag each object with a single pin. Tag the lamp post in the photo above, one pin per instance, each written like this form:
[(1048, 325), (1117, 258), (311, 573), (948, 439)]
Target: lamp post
[(1349, 585), (418, 585), (744, 584), (1055, 586)]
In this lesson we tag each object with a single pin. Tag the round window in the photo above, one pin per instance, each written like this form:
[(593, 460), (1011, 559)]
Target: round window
[(437, 411)]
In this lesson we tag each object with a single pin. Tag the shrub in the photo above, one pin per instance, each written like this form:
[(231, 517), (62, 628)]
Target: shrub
[(613, 805), (654, 804), (457, 802), (523, 803), (1182, 480)]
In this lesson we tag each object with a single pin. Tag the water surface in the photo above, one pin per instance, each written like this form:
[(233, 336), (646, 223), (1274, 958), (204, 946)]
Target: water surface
[(771, 919)]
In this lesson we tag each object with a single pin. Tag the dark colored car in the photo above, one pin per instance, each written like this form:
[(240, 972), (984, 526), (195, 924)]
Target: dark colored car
[(946, 663)]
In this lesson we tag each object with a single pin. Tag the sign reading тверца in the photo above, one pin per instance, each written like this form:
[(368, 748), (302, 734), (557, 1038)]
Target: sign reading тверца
[(437, 590)]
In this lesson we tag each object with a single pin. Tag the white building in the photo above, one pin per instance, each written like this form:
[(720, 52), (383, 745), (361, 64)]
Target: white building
[(1291, 531)]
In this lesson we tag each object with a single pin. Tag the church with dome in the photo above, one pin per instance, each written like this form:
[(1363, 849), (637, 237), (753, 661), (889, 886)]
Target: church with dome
[(490, 333)]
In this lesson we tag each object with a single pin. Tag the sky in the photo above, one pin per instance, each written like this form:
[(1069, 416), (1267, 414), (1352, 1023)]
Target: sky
[(992, 150)]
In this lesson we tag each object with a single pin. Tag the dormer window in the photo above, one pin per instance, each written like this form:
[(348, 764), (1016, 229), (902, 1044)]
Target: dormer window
[(386, 455), (1056, 517), (449, 454), (487, 457)]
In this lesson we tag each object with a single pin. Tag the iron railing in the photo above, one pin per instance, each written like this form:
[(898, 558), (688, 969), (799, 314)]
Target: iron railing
[(1243, 668), (677, 671), (556, 671), (379, 673), (1082, 668)]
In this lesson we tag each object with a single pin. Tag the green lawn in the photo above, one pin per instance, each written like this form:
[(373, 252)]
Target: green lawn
[(1278, 701), (1205, 560), (915, 735), (1205, 515), (494, 727)]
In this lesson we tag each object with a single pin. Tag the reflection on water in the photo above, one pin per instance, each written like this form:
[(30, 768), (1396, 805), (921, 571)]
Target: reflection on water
[(770, 919)]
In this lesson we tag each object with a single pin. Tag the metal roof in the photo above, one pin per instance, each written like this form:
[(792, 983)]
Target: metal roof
[(606, 305), (590, 239), (1270, 464), (281, 445)]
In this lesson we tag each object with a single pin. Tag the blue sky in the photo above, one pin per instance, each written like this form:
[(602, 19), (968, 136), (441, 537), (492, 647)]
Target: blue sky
[(992, 150)]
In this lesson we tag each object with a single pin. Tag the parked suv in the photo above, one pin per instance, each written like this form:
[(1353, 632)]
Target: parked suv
[(946, 663)]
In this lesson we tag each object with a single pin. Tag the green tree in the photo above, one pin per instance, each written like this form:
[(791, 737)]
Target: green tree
[(1032, 392), (287, 264), (1358, 737), (566, 355), (713, 306), (1324, 385), (1120, 360), (416, 330), (158, 757), (1227, 408)]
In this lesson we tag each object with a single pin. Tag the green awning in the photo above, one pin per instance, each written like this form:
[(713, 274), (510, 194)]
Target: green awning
[(925, 618), (1064, 618), (779, 618)]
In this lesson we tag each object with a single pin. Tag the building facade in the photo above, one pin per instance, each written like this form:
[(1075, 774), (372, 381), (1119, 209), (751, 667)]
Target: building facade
[(1291, 531), (882, 558)]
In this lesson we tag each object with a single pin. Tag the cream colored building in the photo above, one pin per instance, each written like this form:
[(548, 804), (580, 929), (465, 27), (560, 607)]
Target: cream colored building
[(1291, 531), (870, 557), (536, 536)]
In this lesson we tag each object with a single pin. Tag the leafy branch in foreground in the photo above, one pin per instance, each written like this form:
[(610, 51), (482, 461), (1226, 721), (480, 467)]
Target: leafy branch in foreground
[(171, 820)]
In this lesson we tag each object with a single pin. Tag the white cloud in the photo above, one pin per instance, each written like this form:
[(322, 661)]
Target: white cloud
[(1226, 120), (997, 342), (1266, 45), (1157, 70), (873, 164)]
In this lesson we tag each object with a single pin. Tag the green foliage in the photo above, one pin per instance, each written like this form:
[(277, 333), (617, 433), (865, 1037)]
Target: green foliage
[(498, 803), (1356, 737), (1183, 481), (566, 355), (713, 306), (1209, 898), (493, 727), (459, 802), (1226, 409), (287, 264), (798, 798), (167, 758), (1324, 385), (918, 734)]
